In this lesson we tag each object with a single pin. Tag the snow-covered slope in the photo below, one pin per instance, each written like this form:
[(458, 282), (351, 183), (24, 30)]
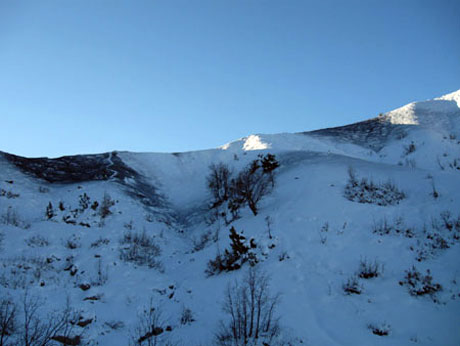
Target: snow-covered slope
[(318, 235)]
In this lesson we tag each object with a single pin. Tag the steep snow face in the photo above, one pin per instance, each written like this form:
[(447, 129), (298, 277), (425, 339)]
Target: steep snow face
[(434, 113), (316, 242), (454, 96)]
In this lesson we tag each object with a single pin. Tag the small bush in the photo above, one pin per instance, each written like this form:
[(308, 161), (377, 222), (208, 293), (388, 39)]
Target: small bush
[(408, 149), (368, 270), (186, 316), (149, 330), (8, 194), (101, 241), (11, 217), (443, 233), (398, 227), (419, 284), (352, 286), (140, 248), (382, 329), (367, 191), (200, 243), (72, 243), (37, 241), (43, 189), (84, 202), (106, 204)]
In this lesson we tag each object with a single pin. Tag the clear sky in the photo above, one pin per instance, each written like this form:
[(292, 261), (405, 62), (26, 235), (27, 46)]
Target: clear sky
[(91, 76)]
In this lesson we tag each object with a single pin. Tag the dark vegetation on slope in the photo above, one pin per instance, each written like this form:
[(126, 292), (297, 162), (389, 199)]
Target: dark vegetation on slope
[(84, 168)]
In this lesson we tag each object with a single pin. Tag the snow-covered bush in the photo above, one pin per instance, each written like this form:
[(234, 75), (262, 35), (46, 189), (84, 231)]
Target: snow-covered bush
[(140, 248), (186, 316), (99, 242), (8, 194), (419, 284), (84, 202), (37, 241), (367, 191), (380, 329), (22, 272), (443, 233), (72, 242), (369, 270), (352, 286), (251, 313), (241, 252)]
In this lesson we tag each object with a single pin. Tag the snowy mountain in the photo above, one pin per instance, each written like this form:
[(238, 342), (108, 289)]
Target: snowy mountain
[(359, 235)]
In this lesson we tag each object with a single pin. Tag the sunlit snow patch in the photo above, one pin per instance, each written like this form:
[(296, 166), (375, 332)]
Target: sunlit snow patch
[(254, 142)]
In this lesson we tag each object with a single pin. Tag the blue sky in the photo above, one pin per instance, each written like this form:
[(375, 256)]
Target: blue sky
[(94, 76)]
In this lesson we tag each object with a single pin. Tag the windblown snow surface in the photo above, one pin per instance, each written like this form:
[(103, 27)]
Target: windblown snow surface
[(416, 147)]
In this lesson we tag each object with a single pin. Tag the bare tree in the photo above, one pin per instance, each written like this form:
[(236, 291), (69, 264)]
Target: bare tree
[(252, 184), (8, 321), (251, 312), (218, 182), (40, 330)]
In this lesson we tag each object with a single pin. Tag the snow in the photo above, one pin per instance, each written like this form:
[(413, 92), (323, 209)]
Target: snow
[(309, 192)]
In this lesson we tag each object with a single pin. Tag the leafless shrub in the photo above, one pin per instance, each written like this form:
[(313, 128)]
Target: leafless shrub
[(141, 249), (200, 243), (149, 330), (8, 194), (251, 313), (11, 217), (35, 329), (37, 241), (72, 243), (186, 316), (369, 270), (22, 272), (398, 226), (99, 242), (382, 329), (367, 191), (115, 325), (419, 284), (43, 189), (106, 204), (352, 286), (102, 274)]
